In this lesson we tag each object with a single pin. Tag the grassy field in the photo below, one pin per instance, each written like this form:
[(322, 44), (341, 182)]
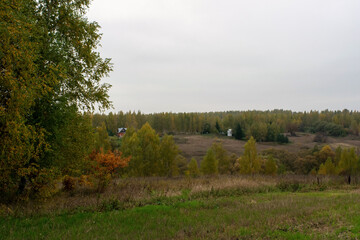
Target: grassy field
[(133, 192), (281, 215), (222, 207), (197, 145)]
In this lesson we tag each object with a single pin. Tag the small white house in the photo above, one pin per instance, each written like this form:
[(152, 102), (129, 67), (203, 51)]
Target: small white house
[(229, 132)]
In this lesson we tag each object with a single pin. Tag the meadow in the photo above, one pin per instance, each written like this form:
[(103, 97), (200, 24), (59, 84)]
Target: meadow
[(223, 207), (192, 145), (70, 171), (218, 206)]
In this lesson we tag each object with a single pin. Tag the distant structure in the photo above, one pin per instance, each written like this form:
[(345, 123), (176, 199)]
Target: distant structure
[(229, 132), (121, 132)]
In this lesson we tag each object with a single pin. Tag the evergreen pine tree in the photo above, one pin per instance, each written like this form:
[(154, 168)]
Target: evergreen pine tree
[(239, 133)]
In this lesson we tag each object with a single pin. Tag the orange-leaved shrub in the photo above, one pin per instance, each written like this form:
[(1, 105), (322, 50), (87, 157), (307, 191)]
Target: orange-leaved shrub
[(106, 165)]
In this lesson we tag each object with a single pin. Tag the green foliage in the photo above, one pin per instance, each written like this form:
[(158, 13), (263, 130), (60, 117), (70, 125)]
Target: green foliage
[(285, 159), (272, 132), (304, 165), (325, 153), (21, 143), (49, 70), (111, 124), (354, 127), (239, 133), (337, 210), (222, 157), (206, 128), (182, 164), (234, 164), (258, 130), (193, 168), (270, 166), (327, 168), (337, 158), (209, 164), (264, 126), (250, 161), (72, 146), (168, 153), (217, 126), (150, 156), (144, 148), (281, 138), (292, 126), (102, 140), (115, 142), (349, 162), (331, 129)]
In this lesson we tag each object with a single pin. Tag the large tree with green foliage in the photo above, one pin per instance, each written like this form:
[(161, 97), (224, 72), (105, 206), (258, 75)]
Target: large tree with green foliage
[(193, 169), (168, 153), (222, 157), (239, 133), (49, 70), (144, 148), (250, 162), (150, 155), (270, 167), (349, 164), (327, 168)]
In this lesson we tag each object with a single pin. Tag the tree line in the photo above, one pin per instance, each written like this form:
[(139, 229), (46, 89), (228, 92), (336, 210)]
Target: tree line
[(152, 155), (262, 125)]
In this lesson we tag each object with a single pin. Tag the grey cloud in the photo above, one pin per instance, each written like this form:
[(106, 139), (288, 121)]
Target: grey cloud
[(192, 55)]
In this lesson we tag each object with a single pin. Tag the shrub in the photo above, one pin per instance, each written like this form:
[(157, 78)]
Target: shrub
[(106, 165), (193, 169), (69, 183), (329, 128), (289, 186), (281, 138)]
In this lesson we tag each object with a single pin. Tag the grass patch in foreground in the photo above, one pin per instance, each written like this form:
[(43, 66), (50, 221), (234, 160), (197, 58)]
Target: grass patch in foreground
[(310, 215)]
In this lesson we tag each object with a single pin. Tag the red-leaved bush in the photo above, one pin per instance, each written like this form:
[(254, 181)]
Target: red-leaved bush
[(106, 165)]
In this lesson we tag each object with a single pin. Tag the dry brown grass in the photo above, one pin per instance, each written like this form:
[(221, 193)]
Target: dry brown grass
[(132, 192), (197, 145)]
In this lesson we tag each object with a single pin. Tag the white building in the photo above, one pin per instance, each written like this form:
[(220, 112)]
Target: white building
[(229, 132)]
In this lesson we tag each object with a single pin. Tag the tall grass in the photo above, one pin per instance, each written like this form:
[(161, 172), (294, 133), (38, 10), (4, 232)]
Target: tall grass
[(132, 192), (275, 215)]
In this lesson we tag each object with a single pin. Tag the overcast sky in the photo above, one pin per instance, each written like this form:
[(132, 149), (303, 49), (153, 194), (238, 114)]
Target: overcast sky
[(219, 55)]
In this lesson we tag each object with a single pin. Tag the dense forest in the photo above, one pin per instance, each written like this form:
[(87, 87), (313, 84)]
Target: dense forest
[(262, 125), (250, 125)]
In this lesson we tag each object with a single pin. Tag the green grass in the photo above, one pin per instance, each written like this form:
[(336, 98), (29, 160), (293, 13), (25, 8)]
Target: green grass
[(276, 215)]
